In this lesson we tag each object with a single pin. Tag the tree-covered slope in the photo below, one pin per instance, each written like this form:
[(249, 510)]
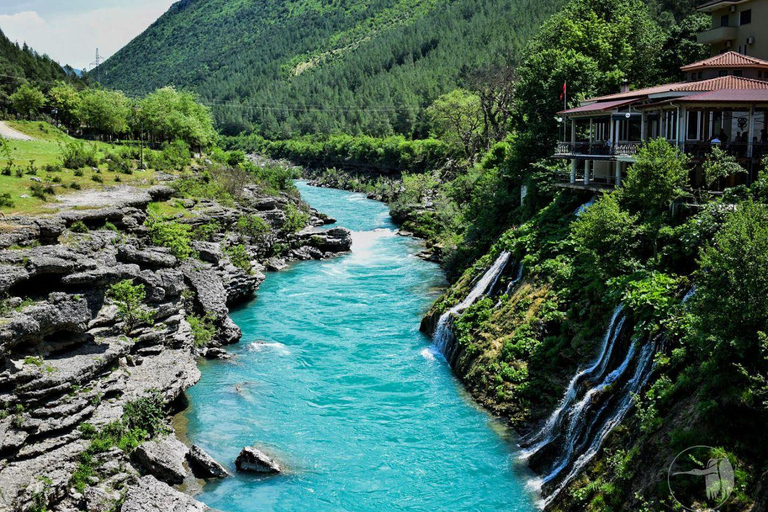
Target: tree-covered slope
[(319, 66), (21, 64)]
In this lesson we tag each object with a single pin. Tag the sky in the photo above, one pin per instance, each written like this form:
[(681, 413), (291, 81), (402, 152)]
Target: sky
[(69, 31)]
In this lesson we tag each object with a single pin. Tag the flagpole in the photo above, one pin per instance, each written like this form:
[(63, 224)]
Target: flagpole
[(565, 107)]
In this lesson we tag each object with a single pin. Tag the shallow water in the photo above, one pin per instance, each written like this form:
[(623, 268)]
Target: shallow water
[(333, 378)]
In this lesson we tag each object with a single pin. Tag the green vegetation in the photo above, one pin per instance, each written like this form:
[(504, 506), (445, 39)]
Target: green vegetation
[(171, 234), (143, 419), (203, 329), (129, 299), (295, 219), (239, 257)]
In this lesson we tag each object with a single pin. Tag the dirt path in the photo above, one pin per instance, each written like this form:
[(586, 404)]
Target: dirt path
[(7, 132)]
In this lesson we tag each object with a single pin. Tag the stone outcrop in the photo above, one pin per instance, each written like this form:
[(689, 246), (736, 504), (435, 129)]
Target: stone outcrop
[(203, 465), (70, 363), (151, 495), (253, 460), (164, 459)]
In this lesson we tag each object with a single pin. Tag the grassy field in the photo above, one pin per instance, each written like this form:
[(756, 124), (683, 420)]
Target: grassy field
[(31, 157)]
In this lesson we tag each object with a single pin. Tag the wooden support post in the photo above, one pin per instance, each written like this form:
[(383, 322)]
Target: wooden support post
[(587, 169), (618, 174)]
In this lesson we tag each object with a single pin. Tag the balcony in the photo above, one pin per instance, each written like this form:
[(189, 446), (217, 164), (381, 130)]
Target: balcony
[(698, 150), (718, 35), (599, 150)]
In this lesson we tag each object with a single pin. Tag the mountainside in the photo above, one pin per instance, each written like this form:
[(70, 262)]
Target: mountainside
[(19, 64), (318, 66)]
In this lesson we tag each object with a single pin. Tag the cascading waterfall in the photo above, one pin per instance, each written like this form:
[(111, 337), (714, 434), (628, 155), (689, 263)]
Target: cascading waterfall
[(443, 337), (550, 430), (598, 399), (643, 370)]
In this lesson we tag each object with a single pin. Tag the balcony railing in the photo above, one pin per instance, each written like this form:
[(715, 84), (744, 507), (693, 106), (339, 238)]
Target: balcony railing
[(742, 150), (697, 150), (597, 148)]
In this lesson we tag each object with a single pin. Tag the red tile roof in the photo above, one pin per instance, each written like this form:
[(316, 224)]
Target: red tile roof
[(729, 96), (639, 93), (597, 107), (713, 84), (722, 82), (727, 60)]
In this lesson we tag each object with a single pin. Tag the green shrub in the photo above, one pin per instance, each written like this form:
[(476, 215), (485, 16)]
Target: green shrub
[(147, 414), (171, 234), (295, 219), (79, 227), (203, 329), (129, 299), (252, 226), (206, 231), (5, 200), (239, 257), (76, 154), (41, 191)]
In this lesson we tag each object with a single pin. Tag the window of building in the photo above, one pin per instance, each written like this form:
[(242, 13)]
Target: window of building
[(724, 72), (738, 72), (745, 17), (701, 75), (724, 20)]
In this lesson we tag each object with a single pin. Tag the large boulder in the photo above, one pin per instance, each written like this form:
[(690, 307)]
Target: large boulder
[(253, 460), (164, 458), (152, 495), (203, 465)]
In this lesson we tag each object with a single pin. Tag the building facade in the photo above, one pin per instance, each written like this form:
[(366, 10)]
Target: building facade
[(737, 25)]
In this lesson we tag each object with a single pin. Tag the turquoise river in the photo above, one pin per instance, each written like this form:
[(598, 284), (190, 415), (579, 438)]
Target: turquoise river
[(334, 379)]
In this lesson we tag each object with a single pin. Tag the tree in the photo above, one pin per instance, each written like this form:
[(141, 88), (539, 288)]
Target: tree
[(129, 299), (607, 238), (719, 165), (168, 114), (657, 178), (594, 46), (27, 100), (457, 118), (65, 98), (496, 88), (105, 112), (732, 301)]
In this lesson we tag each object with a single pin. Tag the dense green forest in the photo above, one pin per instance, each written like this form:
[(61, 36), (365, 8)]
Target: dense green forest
[(21, 64), (317, 67)]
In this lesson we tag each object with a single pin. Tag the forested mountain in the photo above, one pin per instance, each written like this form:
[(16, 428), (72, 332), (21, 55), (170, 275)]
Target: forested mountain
[(21, 64), (319, 66)]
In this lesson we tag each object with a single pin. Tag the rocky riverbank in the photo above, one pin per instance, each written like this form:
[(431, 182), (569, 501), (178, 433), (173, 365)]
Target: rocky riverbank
[(74, 368)]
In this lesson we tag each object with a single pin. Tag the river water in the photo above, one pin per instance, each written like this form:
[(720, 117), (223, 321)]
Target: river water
[(334, 379)]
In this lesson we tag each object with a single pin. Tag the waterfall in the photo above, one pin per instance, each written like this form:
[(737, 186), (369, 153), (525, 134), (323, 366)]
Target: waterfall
[(598, 399), (443, 337), (549, 431), (512, 283), (643, 370)]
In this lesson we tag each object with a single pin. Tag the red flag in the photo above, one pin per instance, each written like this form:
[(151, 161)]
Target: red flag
[(565, 90)]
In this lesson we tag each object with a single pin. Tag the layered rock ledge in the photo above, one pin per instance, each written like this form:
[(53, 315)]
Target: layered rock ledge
[(71, 363)]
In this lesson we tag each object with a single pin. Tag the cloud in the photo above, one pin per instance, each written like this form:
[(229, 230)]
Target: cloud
[(73, 38)]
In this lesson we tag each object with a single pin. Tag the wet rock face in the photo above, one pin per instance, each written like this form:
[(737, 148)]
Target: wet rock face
[(252, 460)]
